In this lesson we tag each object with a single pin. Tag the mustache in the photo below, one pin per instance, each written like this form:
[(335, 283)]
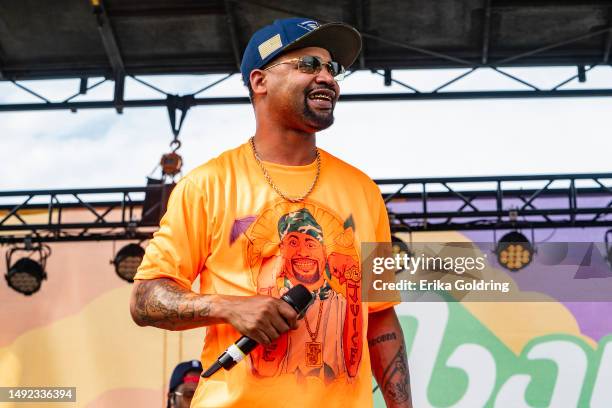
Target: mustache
[(318, 88)]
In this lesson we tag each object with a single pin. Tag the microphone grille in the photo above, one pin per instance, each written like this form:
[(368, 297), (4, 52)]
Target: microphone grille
[(300, 297)]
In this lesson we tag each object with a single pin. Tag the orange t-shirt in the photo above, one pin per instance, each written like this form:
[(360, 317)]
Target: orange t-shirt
[(225, 224)]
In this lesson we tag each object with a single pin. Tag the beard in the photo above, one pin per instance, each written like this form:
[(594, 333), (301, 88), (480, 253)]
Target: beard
[(317, 119), (307, 278)]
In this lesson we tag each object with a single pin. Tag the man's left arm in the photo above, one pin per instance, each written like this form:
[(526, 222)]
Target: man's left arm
[(389, 358)]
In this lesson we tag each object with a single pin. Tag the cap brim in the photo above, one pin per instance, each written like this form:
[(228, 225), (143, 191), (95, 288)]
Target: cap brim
[(341, 40)]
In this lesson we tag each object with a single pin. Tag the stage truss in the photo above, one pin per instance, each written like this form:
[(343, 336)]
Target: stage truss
[(490, 44), (432, 204), (494, 36)]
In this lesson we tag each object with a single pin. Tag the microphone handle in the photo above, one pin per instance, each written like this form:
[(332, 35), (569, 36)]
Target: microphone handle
[(236, 352), (246, 344)]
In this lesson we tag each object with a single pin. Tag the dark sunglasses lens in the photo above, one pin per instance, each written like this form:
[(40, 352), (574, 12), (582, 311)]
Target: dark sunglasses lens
[(312, 65), (309, 64), (336, 68)]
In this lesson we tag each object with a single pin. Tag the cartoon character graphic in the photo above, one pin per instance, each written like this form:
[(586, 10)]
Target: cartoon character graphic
[(304, 243)]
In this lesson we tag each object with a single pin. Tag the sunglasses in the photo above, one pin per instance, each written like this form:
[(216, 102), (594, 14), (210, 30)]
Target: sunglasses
[(313, 65)]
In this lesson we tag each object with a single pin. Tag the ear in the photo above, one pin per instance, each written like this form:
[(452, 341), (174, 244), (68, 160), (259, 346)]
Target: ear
[(258, 82), (171, 399)]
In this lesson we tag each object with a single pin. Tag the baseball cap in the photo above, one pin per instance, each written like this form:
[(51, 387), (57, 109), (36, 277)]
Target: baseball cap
[(180, 370), (341, 40)]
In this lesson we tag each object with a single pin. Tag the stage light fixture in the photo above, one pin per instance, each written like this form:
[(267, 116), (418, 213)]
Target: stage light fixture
[(514, 251), (26, 275), (401, 248), (127, 261)]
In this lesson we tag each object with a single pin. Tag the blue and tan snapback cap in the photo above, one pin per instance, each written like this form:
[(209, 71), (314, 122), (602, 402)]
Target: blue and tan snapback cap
[(341, 40)]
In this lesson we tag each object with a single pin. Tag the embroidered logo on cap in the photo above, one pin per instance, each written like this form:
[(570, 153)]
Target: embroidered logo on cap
[(269, 46), (309, 25)]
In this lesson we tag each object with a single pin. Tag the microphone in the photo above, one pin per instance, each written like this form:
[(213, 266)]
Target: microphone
[(298, 297)]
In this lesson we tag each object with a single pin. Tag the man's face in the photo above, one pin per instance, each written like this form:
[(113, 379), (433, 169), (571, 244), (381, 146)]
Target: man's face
[(183, 394), (292, 92), (303, 257)]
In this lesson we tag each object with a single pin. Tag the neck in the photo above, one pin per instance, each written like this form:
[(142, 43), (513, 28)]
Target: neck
[(285, 146)]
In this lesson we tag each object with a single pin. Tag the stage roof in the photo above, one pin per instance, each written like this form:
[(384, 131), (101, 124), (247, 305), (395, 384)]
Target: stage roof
[(81, 38)]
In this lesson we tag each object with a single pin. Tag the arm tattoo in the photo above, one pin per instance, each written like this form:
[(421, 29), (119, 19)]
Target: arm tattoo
[(396, 380), (382, 338), (163, 303)]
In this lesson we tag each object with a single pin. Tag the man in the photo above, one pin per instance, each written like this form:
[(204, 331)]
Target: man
[(222, 225), (183, 383)]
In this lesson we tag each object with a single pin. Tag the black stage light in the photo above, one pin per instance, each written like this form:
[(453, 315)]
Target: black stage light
[(514, 251), (127, 261), (401, 248), (26, 275)]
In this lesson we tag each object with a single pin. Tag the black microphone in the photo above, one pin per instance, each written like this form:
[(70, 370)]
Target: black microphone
[(298, 297)]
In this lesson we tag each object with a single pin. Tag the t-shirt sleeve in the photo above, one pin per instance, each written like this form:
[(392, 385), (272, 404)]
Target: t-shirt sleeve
[(178, 249), (383, 234)]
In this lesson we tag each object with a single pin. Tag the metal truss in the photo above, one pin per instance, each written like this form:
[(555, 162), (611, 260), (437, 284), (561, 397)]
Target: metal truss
[(190, 100), (508, 202), (432, 204), (112, 52), (82, 214), (176, 104)]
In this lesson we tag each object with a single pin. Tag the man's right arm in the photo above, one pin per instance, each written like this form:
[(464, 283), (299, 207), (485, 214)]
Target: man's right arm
[(165, 304)]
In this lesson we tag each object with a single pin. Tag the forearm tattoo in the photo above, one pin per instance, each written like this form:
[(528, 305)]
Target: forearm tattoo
[(396, 378), (163, 303), (382, 338)]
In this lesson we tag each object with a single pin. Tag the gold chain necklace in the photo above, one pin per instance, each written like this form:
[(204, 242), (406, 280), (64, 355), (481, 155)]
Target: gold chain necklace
[(314, 348), (274, 186), (314, 335)]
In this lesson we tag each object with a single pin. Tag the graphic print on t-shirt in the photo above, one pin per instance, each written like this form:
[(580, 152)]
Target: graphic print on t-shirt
[(306, 243)]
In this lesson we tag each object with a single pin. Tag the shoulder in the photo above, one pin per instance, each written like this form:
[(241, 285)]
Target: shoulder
[(215, 171), (345, 171)]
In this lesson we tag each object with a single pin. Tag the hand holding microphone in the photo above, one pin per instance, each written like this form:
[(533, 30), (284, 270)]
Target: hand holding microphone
[(262, 319)]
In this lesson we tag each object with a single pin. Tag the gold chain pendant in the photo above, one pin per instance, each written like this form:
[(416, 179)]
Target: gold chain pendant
[(314, 354)]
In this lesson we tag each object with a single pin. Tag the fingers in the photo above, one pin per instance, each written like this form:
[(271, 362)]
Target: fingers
[(263, 318), (279, 323), (275, 323), (288, 314), (261, 337), (275, 317)]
